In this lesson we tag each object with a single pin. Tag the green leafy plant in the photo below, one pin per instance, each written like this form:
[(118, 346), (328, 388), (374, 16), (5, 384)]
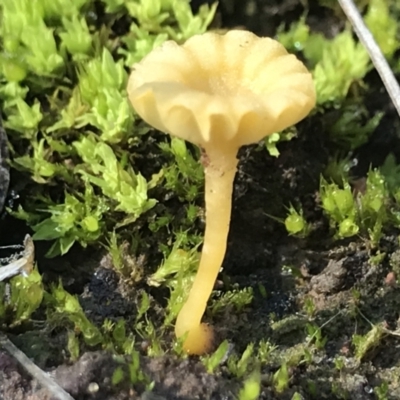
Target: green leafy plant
[(327, 56), (383, 26), (352, 59), (235, 299), (67, 306), (352, 129), (382, 391), (366, 212), (25, 297), (271, 141), (212, 361), (76, 130), (185, 176)]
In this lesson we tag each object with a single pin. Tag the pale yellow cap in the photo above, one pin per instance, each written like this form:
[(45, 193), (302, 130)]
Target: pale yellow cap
[(216, 89)]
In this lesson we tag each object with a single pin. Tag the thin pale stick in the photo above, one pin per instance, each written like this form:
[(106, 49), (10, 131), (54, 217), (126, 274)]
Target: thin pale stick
[(21, 266), (45, 381), (375, 53)]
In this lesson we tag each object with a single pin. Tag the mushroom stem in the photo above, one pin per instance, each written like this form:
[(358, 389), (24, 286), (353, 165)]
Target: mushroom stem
[(220, 169)]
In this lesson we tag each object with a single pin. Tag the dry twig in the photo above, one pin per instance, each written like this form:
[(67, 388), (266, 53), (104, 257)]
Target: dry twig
[(375, 53)]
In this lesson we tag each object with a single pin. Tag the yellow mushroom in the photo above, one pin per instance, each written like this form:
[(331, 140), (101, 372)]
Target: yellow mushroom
[(219, 92)]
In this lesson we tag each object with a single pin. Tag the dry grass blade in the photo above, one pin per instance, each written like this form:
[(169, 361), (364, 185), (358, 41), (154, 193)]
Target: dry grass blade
[(374, 51), (23, 265), (45, 381)]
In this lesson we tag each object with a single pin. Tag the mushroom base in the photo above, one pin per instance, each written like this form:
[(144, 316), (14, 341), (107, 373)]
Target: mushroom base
[(199, 340)]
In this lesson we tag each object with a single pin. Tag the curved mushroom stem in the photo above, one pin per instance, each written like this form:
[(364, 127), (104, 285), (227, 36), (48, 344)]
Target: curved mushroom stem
[(220, 169)]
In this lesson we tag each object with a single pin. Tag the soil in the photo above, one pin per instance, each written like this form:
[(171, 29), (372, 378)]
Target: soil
[(349, 293)]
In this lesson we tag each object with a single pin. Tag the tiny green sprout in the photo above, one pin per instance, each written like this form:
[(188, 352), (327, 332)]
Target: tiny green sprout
[(281, 379), (377, 259), (262, 290), (26, 296), (68, 306), (114, 250), (117, 376), (185, 176), (373, 210), (237, 299), (39, 164), (76, 37), (356, 295), (271, 141), (367, 213), (158, 21), (114, 6), (135, 372), (117, 182), (42, 56), (56, 9), (347, 228), (119, 332), (338, 204), (340, 53), (252, 387), (309, 306), (177, 271), (146, 329), (10, 92), (188, 23), (382, 391), (240, 366), (73, 345), (364, 343), (339, 363), (139, 43), (390, 170), (100, 74), (101, 85), (297, 396), (12, 69), (265, 351), (383, 26), (111, 114), (337, 169), (315, 335), (149, 13), (123, 258), (296, 224), (212, 361), (23, 118), (144, 305), (77, 219), (353, 127), (177, 260)]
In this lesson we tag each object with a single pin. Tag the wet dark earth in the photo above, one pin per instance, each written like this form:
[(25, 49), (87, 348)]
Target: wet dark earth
[(332, 284)]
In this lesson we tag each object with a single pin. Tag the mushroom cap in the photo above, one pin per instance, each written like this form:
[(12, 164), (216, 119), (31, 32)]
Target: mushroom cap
[(215, 89)]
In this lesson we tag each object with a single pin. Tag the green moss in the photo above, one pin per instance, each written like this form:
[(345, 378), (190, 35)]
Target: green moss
[(77, 127), (21, 299)]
